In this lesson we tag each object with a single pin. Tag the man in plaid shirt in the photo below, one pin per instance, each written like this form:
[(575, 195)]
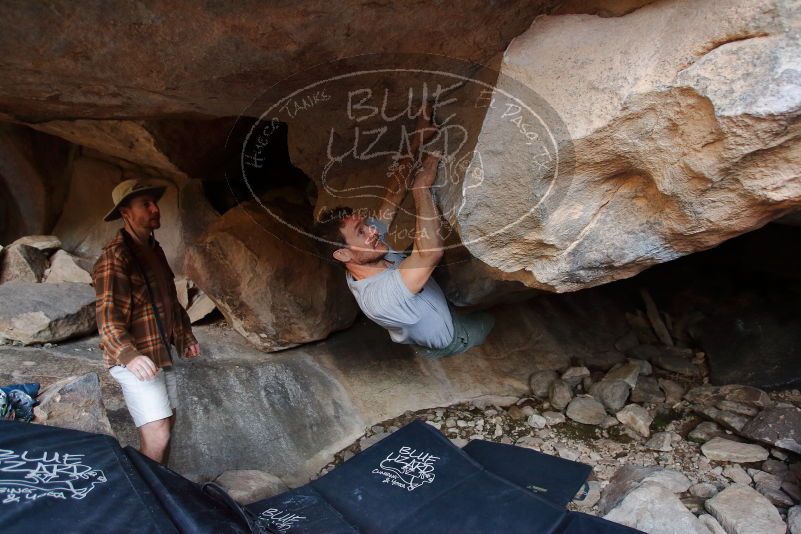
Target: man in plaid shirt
[(140, 320)]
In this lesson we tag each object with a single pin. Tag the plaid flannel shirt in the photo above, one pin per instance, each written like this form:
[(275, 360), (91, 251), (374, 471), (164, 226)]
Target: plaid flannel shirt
[(125, 318)]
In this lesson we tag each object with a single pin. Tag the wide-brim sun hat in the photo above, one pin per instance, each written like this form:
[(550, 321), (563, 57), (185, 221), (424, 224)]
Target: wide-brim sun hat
[(131, 188)]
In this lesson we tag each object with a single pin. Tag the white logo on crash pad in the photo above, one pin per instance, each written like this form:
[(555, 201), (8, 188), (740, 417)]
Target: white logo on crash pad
[(408, 468), (31, 476), (280, 520)]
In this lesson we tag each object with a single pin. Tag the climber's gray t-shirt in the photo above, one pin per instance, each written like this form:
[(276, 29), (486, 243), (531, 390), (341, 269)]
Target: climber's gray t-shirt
[(422, 319)]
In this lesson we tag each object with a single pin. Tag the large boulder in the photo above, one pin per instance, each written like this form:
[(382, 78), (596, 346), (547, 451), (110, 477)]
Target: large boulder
[(22, 263), (267, 278), (630, 476), (653, 508), (44, 313), (74, 402), (740, 510), (64, 268), (780, 427), (45, 243), (682, 121)]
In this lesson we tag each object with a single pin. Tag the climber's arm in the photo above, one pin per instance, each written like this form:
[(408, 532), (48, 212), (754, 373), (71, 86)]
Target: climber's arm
[(418, 267), (401, 174)]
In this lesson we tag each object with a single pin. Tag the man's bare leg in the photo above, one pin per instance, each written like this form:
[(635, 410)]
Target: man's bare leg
[(154, 438)]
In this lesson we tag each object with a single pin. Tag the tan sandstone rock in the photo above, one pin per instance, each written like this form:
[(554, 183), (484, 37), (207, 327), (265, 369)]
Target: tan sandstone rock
[(268, 280), (683, 119)]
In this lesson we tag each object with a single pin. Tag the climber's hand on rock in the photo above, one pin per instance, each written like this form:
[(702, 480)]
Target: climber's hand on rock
[(427, 174)]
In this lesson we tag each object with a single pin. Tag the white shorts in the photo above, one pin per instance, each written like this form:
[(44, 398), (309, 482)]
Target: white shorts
[(148, 400)]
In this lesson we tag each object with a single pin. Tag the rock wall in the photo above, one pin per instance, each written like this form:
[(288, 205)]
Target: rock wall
[(186, 58)]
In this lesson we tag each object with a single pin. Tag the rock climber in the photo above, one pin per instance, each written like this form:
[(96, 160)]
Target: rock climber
[(394, 290)]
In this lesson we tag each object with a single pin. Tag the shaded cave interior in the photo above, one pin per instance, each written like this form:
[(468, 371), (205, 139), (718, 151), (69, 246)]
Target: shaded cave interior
[(739, 303)]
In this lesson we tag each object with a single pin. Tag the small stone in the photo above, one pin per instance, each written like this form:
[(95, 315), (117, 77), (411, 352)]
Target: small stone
[(612, 393), (537, 421), (586, 410), (792, 489), (530, 442), (609, 422), (704, 490), (540, 383), (737, 407), (779, 454), (628, 372), (725, 450), (704, 395), (711, 523), (776, 496), (553, 418), (737, 474), (673, 391), (661, 441), (586, 383), (567, 452), (450, 422), (794, 520), (527, 410), (676, 364), (705, 431), (795, 470), (729, 420), (768, 479), (560, 394), (514, 412), (775, 467), (574, 375), (645, 367), (740, 509), (746, 395), (637, 418), (647, 391)]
